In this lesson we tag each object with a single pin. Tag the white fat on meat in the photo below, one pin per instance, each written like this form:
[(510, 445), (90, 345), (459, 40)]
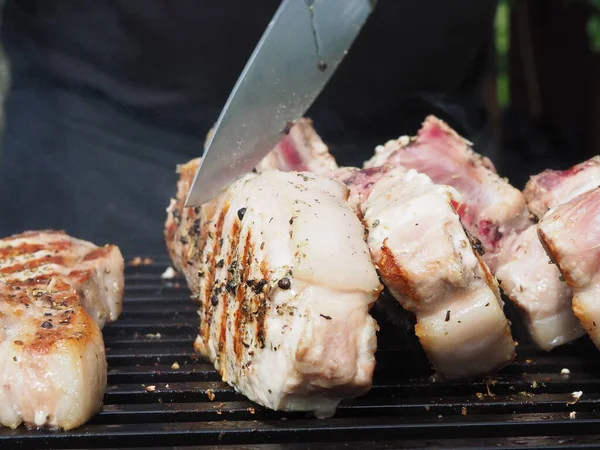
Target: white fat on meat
[(570, 233), (427, 261), (284, 282), (536, 287)]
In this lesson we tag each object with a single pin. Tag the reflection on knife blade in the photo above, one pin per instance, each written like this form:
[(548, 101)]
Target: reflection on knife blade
[(283, 77)]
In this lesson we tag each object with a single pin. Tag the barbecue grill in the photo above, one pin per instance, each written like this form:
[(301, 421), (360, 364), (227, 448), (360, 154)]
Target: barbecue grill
[(160, 394)]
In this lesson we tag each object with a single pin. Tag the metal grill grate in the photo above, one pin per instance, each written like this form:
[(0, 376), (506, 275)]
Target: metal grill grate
[(530, 404)]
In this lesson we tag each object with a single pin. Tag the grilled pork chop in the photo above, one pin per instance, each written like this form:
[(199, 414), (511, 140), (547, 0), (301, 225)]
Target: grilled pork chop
[(428, 262), (284, 282), (492, 210), (56, 292), (570, 233), (551, 187)]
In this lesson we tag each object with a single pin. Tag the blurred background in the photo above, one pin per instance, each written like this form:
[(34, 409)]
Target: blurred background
[(544, 90), (543, 87)]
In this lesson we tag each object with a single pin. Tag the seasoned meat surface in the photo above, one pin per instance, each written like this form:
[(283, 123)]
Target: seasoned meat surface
[(570, 233), (428, 262), (284, 282), (56, 292), (537, 288)]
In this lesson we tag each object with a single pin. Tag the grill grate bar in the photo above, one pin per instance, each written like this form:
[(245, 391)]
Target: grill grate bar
[(150, 402)]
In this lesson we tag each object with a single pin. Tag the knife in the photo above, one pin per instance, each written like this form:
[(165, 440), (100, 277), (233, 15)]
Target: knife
[(296, 56)]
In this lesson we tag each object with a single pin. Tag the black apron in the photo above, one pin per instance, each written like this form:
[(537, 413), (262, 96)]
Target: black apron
[(108, 96)]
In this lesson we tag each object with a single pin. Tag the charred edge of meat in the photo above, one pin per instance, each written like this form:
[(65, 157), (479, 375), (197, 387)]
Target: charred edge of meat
[(475, 242), (551, 252), (394, 274), (208, 321), (241, 315)]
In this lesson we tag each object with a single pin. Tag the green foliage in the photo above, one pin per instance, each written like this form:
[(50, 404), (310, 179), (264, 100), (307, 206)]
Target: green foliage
[(502, 31)]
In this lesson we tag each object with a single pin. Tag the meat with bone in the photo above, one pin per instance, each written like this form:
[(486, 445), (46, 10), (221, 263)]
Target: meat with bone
[(551, 187), (428, 262), (571, 235), (56, 292), (491, 209), (283, 300)]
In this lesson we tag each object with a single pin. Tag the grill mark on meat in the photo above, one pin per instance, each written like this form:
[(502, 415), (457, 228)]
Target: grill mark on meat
[(80, 275), (394, 274), (261, 310), (232, 255), (32, 264), (28, 249), (213, 256), (98, 253), (241, 313), (37, 280)]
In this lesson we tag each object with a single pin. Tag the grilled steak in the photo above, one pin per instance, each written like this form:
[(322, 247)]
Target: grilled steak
[(56, 292), (570, 233), (283, 280), (428, 262), (551, 187)]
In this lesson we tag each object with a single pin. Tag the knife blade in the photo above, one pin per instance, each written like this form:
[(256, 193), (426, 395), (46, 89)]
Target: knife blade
[(296, 56)]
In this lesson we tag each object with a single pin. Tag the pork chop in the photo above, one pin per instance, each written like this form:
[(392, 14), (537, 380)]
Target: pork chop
[(56, 292), (283, 300), (428, 261)]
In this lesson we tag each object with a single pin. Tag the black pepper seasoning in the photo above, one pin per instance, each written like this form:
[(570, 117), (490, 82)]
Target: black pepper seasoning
[(231, 287), (214, 300), (258, 287), (241, 213), (284, 284), (46, 324)]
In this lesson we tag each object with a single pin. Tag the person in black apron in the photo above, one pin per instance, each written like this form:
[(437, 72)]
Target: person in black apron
[(106, 97)]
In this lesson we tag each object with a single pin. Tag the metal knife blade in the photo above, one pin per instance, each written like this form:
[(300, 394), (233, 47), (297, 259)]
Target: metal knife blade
[(296, 56)]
